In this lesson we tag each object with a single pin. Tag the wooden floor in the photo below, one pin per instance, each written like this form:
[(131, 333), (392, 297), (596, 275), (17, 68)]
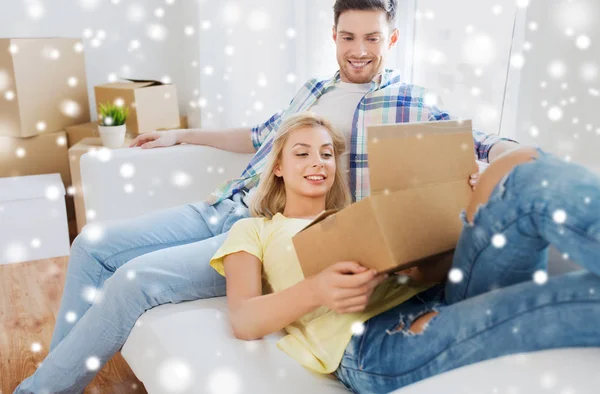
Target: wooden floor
[(29, 300)]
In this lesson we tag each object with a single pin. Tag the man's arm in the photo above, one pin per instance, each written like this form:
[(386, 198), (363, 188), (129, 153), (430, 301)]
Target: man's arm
[(233, 140), (483, 142), (500, 148)]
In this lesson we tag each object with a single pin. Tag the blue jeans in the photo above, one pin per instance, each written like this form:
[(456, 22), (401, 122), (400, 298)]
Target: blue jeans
[(497, 309), (136, 265)]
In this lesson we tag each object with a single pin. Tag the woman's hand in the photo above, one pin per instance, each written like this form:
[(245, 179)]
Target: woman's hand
[(156, 139), (345, 287)]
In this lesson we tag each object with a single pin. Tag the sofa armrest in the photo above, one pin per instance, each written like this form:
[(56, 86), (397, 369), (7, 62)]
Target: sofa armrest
[(125, 183)]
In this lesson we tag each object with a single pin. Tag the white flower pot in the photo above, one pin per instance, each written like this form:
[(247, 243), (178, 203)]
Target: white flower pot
[(112, 136)]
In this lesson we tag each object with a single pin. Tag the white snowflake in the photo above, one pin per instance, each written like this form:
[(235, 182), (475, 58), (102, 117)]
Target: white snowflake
[(36, 347), (358, 328), (258, 20), (53, 193), (36, 243), (157, 32), (93, 232), (71, 317), (540, 277), (92, 363), (127, 170), (131, 274), (559, 216), (181, 179), (555, 114), (136, 13), (70, 108), (499, 241), (583, 42), (548, 380), (455, 275), (175, 376), (224, 381)]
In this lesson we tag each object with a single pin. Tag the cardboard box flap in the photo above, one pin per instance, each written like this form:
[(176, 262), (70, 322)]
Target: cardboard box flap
[(148, 82), (31, 187), (322, 216), (410, 143), (125, 85)]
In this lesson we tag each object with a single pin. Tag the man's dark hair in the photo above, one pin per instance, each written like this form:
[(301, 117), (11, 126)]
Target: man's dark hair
[(390, 7)]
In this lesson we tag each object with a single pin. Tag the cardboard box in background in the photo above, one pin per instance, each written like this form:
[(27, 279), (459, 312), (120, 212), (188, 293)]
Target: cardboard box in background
[(75, 152), (183, 122), (81, 131), (42, 154), (43, 85), (34, 222), (419, 176), (152, 104)]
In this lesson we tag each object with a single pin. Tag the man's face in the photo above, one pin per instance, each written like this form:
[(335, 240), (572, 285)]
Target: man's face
[(362, 39)]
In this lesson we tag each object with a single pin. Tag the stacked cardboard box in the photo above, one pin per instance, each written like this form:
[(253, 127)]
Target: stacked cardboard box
[(45, 108), (37, 106)]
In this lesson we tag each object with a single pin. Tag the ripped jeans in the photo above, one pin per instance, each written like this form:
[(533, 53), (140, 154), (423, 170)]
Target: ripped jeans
[(498, 299)]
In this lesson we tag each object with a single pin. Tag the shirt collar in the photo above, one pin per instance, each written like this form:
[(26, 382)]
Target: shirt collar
[(386, 78)]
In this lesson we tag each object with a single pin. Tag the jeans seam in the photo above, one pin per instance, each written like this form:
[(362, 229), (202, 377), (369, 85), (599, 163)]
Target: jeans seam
[(471, 337), (165, 244), (360, 346)]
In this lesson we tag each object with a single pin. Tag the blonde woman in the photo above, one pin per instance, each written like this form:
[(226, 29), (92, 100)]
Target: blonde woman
[(408, 332)]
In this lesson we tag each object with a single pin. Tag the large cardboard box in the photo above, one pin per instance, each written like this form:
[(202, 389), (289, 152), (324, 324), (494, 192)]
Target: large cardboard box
[(81, 131), (42, 154), (43, 86), (419, 185), (75, 152), (33, 219), (152, 104)]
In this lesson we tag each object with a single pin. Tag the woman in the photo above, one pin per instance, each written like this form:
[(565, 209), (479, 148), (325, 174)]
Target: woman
[(377, 335)]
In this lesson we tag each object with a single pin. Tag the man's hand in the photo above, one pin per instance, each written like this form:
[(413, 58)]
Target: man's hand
[(473, 180), (156, 139), (345, 287)]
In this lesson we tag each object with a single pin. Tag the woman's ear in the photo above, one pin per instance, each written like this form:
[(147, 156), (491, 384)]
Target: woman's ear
[(277, 170)]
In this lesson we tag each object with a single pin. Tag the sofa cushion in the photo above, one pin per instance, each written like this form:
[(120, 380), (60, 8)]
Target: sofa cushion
[(189, 348)]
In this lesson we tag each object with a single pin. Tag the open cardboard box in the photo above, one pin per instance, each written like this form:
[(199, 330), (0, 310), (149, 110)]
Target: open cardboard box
[(419, 185), (152, 104)]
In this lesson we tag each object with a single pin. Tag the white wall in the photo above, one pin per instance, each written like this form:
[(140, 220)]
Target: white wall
[(462, 53), (120, 22), (560, 77)]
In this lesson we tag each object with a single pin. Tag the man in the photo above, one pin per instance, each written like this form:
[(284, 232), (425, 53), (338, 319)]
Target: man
[(163, 257)]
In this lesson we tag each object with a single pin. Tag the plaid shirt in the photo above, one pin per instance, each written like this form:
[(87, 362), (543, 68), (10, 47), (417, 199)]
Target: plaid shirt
[(388, 101)]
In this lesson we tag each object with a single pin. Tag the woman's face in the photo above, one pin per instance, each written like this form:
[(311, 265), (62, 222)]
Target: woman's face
[(307, 162)]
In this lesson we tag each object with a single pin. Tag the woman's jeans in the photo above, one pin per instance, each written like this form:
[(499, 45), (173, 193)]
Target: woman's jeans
[(118, 273), (500, 302)]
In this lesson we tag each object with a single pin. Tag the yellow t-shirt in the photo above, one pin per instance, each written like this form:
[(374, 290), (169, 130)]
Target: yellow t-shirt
[(318, 339)]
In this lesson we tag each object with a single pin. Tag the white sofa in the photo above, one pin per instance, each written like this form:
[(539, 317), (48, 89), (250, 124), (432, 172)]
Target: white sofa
[(189, 347)]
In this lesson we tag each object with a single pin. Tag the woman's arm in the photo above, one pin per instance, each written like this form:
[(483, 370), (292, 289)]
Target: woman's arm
[(254, 315), (344, 287)]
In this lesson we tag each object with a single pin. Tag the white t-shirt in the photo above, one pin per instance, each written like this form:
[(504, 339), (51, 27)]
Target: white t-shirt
[(338, 106)]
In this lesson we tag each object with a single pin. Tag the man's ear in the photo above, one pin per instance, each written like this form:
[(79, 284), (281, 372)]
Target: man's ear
[(334, 33), (394, 38)]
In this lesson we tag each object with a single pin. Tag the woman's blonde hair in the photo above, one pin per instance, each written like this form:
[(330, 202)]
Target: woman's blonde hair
[(270, 197)]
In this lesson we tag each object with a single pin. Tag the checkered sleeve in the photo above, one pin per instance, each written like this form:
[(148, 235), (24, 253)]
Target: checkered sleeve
[(261, 132), (483, 142)]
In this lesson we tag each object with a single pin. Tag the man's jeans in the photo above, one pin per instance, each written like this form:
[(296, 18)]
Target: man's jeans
[(503, 302), (134, 266)]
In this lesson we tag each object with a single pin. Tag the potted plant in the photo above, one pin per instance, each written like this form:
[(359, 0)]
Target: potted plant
[(112, 125)]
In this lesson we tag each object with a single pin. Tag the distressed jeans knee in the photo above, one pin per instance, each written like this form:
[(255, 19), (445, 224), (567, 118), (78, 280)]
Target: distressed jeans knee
[(414, 325)]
